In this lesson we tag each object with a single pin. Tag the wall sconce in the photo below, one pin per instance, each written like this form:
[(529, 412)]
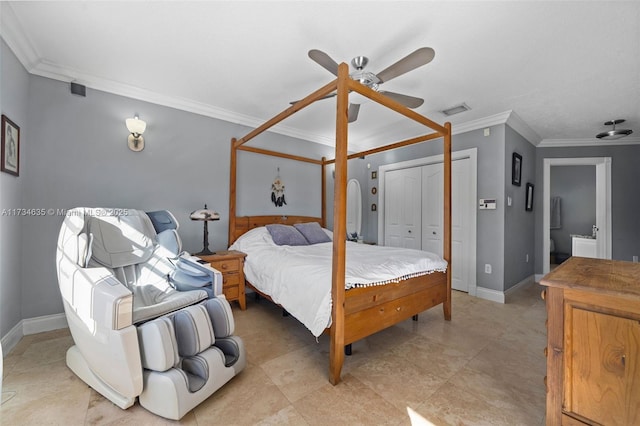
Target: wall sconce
[(135, 139)]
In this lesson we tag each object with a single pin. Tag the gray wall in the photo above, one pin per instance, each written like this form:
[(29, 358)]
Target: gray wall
[(576, 187), (491, 178), (519, 224), (14, 87), (78, 156), (625, 195)]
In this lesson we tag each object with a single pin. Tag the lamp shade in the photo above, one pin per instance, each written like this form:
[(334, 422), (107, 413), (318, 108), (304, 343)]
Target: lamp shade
[(204, 214), (136, 126)]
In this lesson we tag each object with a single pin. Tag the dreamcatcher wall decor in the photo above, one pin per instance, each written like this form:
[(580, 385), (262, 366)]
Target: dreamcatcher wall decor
[(277, 191)]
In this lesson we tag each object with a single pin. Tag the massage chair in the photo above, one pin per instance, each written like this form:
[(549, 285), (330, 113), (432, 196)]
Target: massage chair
[(136, 334)]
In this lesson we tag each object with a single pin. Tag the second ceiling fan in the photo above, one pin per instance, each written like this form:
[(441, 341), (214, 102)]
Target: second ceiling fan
[(410, 62)]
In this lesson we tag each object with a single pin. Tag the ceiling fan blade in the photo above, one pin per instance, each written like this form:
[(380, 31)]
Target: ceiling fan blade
[(406, 100), (410, 62), (324, 61), (353, 112)]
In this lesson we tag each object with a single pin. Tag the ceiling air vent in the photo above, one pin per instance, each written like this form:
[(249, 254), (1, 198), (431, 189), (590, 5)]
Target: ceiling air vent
[(456, 109)]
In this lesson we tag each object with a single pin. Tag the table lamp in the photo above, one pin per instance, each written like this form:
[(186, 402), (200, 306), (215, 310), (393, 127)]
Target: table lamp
[(206, 216)]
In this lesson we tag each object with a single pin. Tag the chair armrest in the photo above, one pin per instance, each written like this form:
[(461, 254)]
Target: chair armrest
[(96, 296), (190, 265)]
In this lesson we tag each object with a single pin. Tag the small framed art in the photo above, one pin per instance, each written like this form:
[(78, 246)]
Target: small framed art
[(516, 169), (10, 147), (529, 203)]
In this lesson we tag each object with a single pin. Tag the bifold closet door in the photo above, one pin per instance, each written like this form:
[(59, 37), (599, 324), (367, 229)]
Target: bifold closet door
[(403, 222)]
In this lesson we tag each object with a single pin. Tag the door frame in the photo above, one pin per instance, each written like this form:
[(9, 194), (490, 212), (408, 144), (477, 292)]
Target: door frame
[(603, 200), (472, 155)]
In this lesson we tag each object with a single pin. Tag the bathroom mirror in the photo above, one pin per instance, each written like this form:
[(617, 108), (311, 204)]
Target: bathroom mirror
[(354, 208)]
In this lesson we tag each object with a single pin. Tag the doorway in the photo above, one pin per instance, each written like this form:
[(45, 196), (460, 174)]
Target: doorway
[(411, 210), (603, 204)]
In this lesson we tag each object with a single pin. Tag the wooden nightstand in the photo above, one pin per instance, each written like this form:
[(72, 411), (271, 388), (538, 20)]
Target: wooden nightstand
[(230, 263)]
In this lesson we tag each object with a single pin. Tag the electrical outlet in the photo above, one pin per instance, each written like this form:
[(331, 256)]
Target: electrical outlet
[(526, 258), (487, 268), (635, 259)]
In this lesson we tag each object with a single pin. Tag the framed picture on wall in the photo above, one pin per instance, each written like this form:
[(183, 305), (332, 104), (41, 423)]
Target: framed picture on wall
[(10, 147), (529, 203), (516, 169)]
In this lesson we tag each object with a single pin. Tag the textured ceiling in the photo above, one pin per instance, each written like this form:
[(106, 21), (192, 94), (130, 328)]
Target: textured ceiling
[(563, 68)]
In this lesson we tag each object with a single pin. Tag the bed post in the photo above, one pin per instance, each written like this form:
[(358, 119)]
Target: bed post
[(336, 350), (232, 192), (447, 217)]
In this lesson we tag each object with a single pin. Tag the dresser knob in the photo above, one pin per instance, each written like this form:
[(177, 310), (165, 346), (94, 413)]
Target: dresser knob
[(545, 351), (543, 295)]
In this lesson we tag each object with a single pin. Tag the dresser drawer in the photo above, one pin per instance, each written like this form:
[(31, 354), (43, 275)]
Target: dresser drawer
[(226, 266), (230, 279), (230, 263), (231, 293)]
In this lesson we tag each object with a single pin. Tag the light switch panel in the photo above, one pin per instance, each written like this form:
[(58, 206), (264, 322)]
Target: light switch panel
[(487, 204)]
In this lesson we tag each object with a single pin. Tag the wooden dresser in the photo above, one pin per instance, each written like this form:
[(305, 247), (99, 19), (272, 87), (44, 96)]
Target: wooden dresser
[(593, 342), (230, 264)]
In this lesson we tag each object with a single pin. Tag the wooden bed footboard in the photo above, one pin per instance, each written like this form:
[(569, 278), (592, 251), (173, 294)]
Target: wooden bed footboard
[(369, 310), (372, 309)]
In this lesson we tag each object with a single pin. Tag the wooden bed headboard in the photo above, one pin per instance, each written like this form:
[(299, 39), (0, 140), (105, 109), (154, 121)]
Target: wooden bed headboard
[(247, 223)]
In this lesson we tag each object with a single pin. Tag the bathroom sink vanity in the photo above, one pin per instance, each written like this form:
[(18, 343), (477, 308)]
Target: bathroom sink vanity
[(584, 246)]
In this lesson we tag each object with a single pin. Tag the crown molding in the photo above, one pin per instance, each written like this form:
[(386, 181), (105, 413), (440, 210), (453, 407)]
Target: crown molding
[(507, 117), (492, 120), (563, 143), (518, 124), (15, 37)]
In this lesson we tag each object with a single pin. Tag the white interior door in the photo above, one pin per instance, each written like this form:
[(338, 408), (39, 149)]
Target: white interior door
[(462, 211), (398, 182), (462, 215), (432, 207), (402, 206)]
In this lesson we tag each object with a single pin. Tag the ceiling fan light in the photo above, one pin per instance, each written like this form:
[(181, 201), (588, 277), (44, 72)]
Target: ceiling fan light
[(614, 133), (456, 109)]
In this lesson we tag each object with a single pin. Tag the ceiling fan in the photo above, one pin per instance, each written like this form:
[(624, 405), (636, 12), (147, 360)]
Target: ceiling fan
[(410, 62)]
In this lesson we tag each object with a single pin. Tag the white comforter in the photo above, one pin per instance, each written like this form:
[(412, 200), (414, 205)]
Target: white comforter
[(299, 278)]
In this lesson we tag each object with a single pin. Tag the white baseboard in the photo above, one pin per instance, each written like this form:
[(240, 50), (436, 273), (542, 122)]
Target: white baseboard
[(32, 326), (11, 339), (489, 294), (501, 296), (539, 277)]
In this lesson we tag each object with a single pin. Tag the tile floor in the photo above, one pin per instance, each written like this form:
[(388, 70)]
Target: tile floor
[(485, 367)]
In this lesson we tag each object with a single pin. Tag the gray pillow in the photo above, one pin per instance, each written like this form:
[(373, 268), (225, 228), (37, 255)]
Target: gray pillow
[(313, 232), (286, 235)]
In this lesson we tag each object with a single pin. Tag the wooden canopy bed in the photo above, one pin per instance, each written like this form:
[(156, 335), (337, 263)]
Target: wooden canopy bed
[(358, 312)]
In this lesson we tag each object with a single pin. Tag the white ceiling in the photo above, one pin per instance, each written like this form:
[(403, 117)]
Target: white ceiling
[(561, 68)]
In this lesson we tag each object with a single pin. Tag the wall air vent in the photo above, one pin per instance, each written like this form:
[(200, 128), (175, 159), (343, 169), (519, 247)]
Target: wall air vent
[(456, 109)]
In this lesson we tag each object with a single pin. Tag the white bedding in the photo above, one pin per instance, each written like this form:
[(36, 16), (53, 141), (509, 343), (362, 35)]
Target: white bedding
[(299, 278)]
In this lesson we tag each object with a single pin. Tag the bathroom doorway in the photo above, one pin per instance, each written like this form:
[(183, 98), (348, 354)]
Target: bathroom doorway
[(602, 207)]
